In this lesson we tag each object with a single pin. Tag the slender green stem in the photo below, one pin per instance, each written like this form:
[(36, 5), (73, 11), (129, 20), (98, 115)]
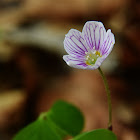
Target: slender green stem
[(108, 99)]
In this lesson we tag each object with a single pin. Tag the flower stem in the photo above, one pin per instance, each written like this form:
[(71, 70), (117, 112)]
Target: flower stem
[(108, 99)]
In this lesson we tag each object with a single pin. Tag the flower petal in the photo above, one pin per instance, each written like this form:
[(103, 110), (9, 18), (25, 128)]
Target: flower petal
[(108, 43), (99, 61), (74, 62), (94, 34), (74, 44)]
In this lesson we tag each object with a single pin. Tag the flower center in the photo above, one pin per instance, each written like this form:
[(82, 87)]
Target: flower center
[(91, 57)]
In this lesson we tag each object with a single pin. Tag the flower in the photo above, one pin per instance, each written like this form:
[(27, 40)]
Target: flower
[(89, 48)]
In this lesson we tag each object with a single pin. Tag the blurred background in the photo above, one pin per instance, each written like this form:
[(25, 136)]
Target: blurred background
[(33, 74)]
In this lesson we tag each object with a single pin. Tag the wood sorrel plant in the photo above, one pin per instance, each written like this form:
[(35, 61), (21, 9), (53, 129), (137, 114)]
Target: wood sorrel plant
[(86, 50)]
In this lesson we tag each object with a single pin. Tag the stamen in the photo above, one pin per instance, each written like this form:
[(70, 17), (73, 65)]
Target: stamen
[(91, 57), (94, 52)]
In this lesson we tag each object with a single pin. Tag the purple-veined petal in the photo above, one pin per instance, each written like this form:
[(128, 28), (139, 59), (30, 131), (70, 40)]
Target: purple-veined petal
[(99, 61), (74, 44), (94, 34), (108, 43), (74, 62)]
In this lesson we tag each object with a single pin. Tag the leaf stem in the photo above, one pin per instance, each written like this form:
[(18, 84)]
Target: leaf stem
[(108, 99)]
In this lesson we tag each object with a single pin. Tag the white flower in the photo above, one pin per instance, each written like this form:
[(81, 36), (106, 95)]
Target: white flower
[(87, 50)]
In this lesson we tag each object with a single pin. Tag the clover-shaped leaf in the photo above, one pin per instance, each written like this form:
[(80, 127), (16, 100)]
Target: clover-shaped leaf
[(99, 134), (67, 117), (38, 130), (61, 120)]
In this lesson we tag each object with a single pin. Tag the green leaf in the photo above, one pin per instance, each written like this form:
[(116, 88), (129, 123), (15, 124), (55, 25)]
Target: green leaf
[(61, 120), (67, 117), (38, 130), (99, 134), (57, 129)]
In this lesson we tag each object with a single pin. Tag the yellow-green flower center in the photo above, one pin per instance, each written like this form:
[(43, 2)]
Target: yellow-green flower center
[(91, 57)]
